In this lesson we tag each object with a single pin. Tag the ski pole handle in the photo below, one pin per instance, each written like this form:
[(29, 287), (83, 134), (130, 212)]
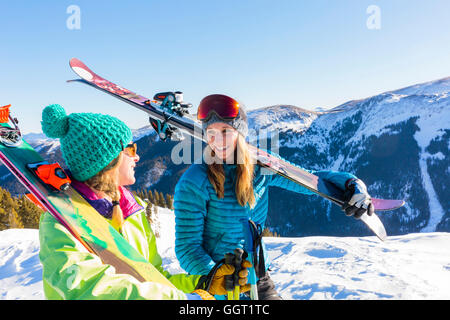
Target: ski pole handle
[(229, 280), (238, 253)]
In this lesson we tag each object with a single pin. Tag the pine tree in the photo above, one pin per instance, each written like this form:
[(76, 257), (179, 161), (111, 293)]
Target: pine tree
[(11, 209), (162, 201), (150, 196), (29, 213), (169, 201), (156, 198), (14, 220), (267, 233), (4, 218), (10, 217), (18, 212)]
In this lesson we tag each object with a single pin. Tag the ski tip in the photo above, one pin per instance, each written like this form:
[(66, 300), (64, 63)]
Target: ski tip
[(77, 63), (81, 69), (74, 61)]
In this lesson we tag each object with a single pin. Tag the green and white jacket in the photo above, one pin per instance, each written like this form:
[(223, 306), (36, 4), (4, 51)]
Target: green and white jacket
[(70, 271)]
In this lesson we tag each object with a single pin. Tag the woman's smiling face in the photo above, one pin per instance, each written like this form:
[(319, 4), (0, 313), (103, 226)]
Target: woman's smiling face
[(222, 138)]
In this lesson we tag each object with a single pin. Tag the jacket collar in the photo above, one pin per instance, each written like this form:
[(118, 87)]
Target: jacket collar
[(127, 203)]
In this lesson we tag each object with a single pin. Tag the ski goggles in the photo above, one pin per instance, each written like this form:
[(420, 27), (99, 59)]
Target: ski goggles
[(130, 149), (223, 106)]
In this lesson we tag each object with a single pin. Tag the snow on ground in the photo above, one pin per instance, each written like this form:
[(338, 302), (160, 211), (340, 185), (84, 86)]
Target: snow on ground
[(414, 266), (20, 268)]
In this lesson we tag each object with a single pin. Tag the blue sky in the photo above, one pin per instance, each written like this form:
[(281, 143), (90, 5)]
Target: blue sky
[(305, 53)]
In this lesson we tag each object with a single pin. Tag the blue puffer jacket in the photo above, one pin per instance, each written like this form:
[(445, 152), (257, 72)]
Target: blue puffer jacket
[(208, 227)]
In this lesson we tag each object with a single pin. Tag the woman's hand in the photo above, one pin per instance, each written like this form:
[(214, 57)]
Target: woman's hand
[(218, 285), (357, 200)]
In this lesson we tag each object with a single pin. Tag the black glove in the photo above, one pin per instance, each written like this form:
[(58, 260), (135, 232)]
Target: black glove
[(357, 200)]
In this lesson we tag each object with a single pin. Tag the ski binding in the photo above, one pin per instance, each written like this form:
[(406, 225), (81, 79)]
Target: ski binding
[(51, 174), (9, 136), (172, 103)]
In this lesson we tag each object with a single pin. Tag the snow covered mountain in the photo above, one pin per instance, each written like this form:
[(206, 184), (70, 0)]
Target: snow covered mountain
[(414, 266), (398, 142)]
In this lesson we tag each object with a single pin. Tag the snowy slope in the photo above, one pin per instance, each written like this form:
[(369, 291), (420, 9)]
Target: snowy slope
[(20, 268), (41, 142), (414, 266)]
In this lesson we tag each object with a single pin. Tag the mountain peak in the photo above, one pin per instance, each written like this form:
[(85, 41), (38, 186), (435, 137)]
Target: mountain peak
[(435, 87), (440, 87), (281, 118)]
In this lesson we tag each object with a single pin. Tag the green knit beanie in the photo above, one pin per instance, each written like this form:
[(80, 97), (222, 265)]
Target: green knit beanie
[(89, 141)]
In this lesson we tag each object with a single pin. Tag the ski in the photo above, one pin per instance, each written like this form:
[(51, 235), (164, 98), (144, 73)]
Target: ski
[(169, 117), (50, 189)]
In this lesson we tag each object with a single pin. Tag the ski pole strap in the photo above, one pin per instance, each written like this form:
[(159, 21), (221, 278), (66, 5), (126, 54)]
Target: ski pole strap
[(205, 281), (258, 256)]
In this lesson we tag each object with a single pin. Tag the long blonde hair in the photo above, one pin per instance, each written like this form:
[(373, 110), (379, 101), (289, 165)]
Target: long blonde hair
[(244, 175), (107, 181)]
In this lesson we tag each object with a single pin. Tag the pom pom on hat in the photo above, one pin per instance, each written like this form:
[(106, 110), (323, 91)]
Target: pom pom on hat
[(55, 122)]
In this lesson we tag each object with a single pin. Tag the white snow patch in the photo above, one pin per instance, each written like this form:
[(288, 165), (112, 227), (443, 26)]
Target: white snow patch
[(142, 132), (337, 163), (20, 268), (436, 210)]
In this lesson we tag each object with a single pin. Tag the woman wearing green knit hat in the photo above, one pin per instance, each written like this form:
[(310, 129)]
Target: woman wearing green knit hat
[(101, 158)]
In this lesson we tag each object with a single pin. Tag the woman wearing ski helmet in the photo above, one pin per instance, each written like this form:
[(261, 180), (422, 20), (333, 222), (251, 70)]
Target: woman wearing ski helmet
[(215, 201), (101, 157)]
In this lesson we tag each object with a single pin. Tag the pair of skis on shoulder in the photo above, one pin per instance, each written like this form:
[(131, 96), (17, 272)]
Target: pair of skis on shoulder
[(169, 117)]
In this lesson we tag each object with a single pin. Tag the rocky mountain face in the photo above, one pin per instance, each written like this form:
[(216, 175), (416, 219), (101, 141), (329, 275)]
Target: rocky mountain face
[(397, 142)]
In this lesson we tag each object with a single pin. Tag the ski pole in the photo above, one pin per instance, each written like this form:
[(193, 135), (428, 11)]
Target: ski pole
[(238, 253), (229, 259), (252, 279), (248, 246)]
